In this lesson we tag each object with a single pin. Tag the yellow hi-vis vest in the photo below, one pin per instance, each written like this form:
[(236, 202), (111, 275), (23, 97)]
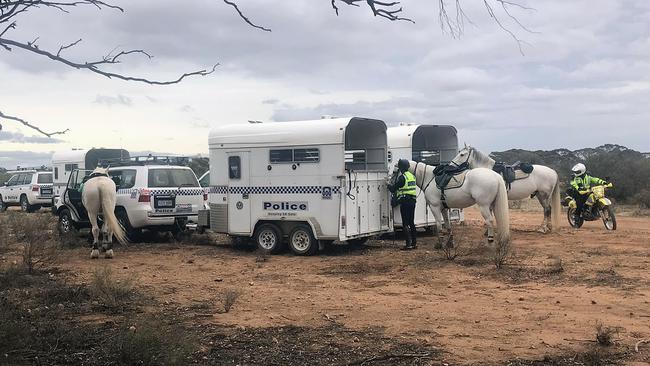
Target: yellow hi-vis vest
[(408, 189)]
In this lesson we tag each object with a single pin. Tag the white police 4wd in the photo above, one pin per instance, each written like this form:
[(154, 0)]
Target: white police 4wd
[(29, 189), (150, 195)]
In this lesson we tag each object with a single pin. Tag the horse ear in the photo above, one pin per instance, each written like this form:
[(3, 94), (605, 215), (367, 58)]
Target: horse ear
[(465, 144)]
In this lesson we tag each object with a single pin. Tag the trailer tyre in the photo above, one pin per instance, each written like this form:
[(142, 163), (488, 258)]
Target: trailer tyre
[(302, 241), (268, 238)]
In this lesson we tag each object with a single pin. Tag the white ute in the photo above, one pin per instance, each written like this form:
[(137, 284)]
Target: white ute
[(29, 188), (311, 182)]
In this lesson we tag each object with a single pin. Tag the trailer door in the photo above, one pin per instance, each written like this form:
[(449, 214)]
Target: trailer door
[(239, 206)]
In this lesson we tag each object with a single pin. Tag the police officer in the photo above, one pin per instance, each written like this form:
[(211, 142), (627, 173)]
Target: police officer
[(581, 185), (404, 188)]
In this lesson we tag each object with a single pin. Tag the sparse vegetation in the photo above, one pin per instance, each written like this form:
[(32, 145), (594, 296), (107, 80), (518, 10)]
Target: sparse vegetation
[(605, 335), (153, 343), (31, 235), (501, 253), (229, 298), (111, 293)]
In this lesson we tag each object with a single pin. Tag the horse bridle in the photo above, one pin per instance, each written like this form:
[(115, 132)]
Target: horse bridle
[(470, 150)]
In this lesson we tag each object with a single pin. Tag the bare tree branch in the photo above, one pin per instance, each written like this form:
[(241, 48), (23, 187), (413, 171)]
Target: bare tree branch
[(27, 124), (93, 65), (241, 15), (379, 8)]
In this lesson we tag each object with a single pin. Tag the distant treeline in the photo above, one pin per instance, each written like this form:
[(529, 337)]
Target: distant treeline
[(627, 169)]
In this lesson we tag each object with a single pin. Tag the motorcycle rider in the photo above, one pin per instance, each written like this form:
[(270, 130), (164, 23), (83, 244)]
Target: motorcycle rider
[(405, 189), (581, 184)]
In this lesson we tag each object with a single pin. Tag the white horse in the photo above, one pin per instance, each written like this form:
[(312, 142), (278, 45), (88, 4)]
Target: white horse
[(98, 196), (483, 187), (543, 183)]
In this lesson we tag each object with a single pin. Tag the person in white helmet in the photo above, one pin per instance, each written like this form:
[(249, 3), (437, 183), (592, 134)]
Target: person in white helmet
[(581, 184)]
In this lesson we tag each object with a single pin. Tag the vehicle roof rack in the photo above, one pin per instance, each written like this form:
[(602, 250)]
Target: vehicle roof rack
[(20, 169), (146, 160)]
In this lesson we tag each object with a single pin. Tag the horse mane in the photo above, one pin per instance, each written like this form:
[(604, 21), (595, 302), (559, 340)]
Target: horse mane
[(482, 159)]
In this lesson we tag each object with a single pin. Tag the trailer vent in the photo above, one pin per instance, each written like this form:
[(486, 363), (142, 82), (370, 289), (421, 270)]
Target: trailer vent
[(219, 217)]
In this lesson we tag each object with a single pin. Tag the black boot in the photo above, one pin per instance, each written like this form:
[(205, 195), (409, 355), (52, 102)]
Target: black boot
[(407, 239)]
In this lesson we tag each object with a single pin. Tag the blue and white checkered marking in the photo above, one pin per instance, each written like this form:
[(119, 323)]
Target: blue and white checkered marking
[(272, 190)]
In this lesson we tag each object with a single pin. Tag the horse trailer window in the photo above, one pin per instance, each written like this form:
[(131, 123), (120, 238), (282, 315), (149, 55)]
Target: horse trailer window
[(281, 156), (56, 173), (234, 167), (45, 178), (355, 156), (306, 155), (427, 156), (71, 167), (165, 178)]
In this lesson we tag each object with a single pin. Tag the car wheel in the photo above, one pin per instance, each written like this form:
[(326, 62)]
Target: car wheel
[(3, 205), (66, 225), (24, 204), (132, 234), (268, 238), (302, 241)]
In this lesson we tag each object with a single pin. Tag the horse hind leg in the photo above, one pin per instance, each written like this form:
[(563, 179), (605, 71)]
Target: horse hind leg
[(109, 243), (545, 201), (94, 253), (486, 212)]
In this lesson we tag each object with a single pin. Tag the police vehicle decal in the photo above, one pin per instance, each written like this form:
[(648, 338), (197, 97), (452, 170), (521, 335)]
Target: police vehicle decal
[(274, 190)]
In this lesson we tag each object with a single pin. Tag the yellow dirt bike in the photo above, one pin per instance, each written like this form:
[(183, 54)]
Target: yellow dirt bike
[(599, 207)]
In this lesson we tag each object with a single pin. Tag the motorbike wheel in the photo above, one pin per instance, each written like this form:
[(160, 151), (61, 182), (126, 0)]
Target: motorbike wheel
[(609, 219), (575, 222)]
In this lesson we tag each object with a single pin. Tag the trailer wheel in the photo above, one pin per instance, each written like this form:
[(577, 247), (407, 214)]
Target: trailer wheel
[(302, 241), (268, 238)]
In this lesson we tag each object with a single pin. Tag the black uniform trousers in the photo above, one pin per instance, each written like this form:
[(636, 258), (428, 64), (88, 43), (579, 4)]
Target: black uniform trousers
[(407, 210)]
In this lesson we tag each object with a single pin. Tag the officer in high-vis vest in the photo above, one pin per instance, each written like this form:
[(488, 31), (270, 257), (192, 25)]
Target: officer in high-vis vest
[(405, 190)]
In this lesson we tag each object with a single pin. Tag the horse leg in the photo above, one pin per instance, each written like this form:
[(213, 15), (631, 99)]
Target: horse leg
[(437, 214), (450, 233), (95, 229), (109, 242), (545, 201), (486, 212)]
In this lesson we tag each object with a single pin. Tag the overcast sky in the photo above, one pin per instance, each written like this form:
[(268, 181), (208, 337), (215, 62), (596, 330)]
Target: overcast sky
[(584, 78)]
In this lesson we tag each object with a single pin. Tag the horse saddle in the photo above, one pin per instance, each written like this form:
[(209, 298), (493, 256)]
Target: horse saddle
[(511, 173), (449, 176)]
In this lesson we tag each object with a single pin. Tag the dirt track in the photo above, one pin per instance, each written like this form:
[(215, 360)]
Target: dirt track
[(546, 301)]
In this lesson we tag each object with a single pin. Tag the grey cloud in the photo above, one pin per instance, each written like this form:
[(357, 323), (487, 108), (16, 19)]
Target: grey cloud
[(12, 159), (111, 101), (19, 138)]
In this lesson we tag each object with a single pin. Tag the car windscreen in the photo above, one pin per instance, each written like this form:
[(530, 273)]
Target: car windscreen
[(45, 178), (161, 178)]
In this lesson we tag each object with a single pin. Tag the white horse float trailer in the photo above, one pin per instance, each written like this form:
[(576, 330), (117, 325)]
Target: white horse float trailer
[(429, 144), (311, 182)]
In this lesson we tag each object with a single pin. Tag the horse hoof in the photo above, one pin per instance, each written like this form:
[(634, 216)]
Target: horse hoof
[(94, 254), (109, 254)]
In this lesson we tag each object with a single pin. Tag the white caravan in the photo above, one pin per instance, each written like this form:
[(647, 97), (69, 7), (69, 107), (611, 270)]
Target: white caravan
[(312, 182), (430, 144), (64, 162)]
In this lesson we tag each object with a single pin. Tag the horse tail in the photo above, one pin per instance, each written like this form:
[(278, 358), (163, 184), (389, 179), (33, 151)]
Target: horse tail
[(108, 208), (555, 205), (502, 213)]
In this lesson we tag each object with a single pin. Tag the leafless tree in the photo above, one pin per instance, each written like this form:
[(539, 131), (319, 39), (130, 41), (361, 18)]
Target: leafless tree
[(451, 14)]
